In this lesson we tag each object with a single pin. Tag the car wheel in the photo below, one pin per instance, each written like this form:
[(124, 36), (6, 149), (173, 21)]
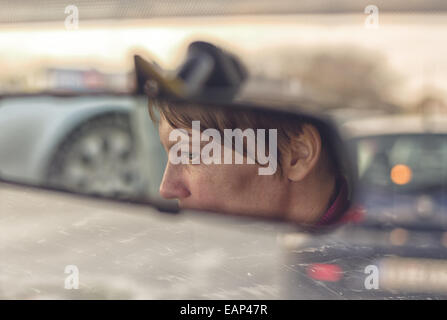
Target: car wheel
[(98, 157)]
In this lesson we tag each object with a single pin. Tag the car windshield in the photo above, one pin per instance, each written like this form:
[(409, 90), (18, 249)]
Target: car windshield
[(402, 163), (100, 103)]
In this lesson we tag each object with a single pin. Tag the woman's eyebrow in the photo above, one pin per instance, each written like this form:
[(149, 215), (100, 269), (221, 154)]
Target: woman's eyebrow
[(169, 143)]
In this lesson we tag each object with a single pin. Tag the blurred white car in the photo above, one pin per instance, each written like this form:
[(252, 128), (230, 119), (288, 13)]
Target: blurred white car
[(84, 143)]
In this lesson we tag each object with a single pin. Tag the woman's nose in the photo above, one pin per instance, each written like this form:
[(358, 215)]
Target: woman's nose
[(172, 186)]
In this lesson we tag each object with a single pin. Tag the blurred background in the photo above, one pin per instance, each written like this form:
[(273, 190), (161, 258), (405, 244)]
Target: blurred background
[(402, 59)]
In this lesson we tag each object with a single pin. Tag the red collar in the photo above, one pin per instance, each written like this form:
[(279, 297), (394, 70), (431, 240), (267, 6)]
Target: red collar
[(338, 206)]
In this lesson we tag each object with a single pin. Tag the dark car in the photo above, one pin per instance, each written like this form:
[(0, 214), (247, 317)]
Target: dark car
[(397, 246)]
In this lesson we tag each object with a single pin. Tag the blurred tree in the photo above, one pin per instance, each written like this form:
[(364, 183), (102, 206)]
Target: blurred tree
[(432, 104), (343, 76)]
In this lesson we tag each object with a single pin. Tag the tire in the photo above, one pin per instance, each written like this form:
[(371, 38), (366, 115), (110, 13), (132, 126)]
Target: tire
[(98, 157)]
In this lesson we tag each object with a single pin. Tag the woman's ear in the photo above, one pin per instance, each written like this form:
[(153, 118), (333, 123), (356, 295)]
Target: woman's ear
[(305, 151)]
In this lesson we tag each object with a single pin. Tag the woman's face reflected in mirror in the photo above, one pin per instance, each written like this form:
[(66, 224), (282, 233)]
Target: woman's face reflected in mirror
[(285, 168)]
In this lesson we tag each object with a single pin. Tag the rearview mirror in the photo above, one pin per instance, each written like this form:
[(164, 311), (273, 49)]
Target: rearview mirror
[(206, 138), (242, 160)]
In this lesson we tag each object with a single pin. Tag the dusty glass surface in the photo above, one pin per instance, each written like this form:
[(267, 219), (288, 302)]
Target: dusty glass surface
[(70, 120)]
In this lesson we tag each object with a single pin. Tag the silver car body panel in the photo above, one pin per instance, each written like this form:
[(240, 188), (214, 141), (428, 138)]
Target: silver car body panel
[(31, 128)]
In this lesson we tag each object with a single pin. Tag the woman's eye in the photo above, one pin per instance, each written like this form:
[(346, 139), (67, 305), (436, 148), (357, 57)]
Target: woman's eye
[(193, 156), (190, 155)]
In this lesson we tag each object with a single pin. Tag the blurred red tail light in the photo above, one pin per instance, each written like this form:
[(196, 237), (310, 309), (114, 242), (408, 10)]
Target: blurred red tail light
[(324, 272)]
